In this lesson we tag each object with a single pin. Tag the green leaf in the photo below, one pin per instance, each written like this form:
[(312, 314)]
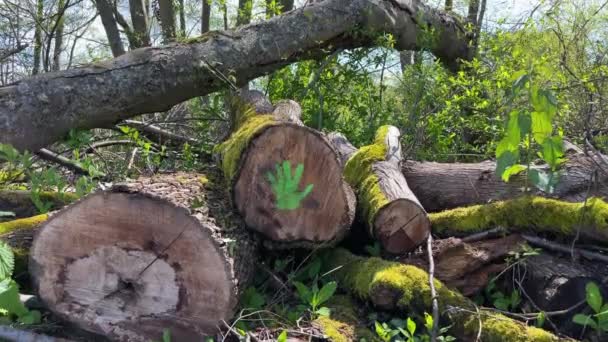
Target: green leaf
[(541, 126), (7, 261), (166, 335), (544, 181), (282, 337), (525, 123), (511, 171), (34, 317), (521, 78), (584, 320), (411, 326), (9, 298), (428, 321), (504, 161), (594, 297), (314, 268), (252, 299), (327, 291), (323, 311), (303, 291), (540, 319), (552, 151)]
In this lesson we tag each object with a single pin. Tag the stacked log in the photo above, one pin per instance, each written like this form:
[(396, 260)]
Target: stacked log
[(142, 257), (286, 179), (391, 211)]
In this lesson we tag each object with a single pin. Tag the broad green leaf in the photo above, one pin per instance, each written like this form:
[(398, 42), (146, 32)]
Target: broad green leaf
[(327, 291), (552, 151), (521, 78), (314, 268), (544, 101), (584, 320), (505, 160), (541, 126), (428, 321), (411, 326), (7, 261), (303, 291), (525, 123), (252, 299), (512, 170), (9, 298), (282, 337), (543, 181), (34, 317), (594, 297), (323, 311)]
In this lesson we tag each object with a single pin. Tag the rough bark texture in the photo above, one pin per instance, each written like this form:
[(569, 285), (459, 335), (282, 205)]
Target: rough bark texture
[(286, 178), (161, 261), (541, 215), (139, 18), (154, 79), (105, 8), (166, 18), (441, 186), (386, 204), (205, 16), (394, 286)]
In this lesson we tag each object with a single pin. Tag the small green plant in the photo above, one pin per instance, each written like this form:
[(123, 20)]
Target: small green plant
[(399, 330), (11, 307), (252, 299), (282, 337), (531, 129), (314, 297), (599, 319), (285, 186), (501, 300)]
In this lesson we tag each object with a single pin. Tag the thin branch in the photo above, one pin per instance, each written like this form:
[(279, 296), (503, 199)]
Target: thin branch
[(435, 304)]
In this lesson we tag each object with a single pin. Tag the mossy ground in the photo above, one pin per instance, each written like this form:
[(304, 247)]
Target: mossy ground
[(24, 223), (404, 287), (535, 213), (358, 173)]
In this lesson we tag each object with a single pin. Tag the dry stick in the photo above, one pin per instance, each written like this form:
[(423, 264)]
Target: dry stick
[(554, 246), (484, 235), (153, 129), (429, 250), (56, 158)]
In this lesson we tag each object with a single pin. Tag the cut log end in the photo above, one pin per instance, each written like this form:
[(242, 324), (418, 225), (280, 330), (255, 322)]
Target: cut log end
[(129, 266), (290, 187), (401, 226)]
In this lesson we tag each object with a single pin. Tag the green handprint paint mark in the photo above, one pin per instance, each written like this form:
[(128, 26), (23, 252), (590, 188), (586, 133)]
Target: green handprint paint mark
[(285, 186)]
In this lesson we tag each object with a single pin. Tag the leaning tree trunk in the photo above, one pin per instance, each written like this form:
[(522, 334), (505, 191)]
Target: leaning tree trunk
[(142, 257), (286, 179), (391, 211), (441, 186)]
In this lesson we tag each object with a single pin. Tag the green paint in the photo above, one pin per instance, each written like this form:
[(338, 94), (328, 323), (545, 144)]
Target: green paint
[(285, 186)]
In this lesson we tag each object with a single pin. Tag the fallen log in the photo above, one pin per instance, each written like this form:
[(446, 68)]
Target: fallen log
[(394, 286), (286, 179), (145, 256), (537, 214), (20, 201), (386, 204), (441, 186)]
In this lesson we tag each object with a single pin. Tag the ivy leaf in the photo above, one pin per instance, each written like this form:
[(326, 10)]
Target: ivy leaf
[(594, 297), (511, 171), (7, 261)]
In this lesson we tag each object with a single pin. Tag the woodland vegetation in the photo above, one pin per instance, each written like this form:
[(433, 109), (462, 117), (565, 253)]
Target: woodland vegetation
[(319, 170)]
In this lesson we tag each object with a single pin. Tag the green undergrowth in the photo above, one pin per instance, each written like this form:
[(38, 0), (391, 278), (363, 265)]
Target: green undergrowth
[(535, 213), (395, 286), (358, 173)]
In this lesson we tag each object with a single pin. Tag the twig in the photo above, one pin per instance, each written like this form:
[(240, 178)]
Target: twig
[(435, 304), (56, 158), (554, 246), (164, 134), (484, 235)]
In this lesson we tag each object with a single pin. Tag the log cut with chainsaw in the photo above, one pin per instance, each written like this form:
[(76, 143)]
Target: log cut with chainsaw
[(142, 257), (387, 206), (286, 179)]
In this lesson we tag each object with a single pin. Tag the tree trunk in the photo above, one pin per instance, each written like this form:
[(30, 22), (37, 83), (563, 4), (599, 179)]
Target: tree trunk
[(286, 179), (38, 36), (154, 79), (205, 16), (106, 13), (386, 204), (287, 5), (441, 186), (160, 261), (393, 286), (59, 36), (141, 27), (166, 18), (182, 19), (244, 12)]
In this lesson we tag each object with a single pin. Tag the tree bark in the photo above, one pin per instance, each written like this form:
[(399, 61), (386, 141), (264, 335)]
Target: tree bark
[(154, 79), (182, 19), (205, 16), (59, 36), (441, 186), (286, 179), (386, 204), (106, 13), (141, 27), (168, 267), (38, 36), (166, 18)]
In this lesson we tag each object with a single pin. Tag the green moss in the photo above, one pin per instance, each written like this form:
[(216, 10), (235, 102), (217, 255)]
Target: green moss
[(358, 173), (24, 223), (534, 213), (344, 324), (336, 331), (404, 287), (232, 149)]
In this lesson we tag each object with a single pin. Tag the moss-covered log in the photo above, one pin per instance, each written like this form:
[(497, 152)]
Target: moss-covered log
[(386, 204), (345, 323), (286, 179), (20, 201), (527, 213), (145, 256), (394, 286), (441, 186)]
